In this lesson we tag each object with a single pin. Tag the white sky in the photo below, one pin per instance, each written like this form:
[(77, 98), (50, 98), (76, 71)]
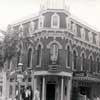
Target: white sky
[(87, 10)]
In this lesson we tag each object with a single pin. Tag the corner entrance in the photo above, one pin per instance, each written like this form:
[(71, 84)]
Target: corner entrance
[(50, 92), (85, 91)]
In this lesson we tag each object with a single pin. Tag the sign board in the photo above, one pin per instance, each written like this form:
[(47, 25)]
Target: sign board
[(79, 74)]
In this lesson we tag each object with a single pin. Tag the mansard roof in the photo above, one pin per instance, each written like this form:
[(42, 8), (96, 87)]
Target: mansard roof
[(48, 11)]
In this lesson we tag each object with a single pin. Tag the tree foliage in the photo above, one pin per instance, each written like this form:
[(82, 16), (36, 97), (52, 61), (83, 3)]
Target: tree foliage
[(10, 46)]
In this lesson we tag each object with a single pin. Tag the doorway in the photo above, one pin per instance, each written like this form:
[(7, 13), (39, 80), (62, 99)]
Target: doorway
[(85, 91), (50, 92)]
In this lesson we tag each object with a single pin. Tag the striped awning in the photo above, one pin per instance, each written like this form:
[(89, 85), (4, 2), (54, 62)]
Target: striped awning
[(87, 79)]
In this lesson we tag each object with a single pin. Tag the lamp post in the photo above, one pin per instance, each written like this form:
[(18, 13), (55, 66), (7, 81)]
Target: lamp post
[(19, 76)]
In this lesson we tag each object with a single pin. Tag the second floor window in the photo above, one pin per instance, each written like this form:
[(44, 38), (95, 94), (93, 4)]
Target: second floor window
[(75, 60), (91, 64), (83, 62), (98, 65), (54, 53), (29, 57), (39, 52), (68, 56)]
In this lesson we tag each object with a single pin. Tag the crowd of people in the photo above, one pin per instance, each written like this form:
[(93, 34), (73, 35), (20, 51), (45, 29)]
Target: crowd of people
[(26, 94)]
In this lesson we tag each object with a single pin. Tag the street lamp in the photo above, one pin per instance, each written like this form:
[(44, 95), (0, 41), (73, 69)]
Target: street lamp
[(19, 76)]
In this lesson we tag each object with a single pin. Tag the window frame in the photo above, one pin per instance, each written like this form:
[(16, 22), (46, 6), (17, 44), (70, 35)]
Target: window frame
[(53, 18)]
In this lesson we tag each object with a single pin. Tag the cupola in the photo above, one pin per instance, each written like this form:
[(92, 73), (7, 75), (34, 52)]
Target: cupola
[(53, 4)]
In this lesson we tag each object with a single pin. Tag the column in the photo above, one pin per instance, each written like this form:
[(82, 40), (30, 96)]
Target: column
[(32, 76), (62, 88), (4, 86), (43, 88), (69, 83), (35, 84)]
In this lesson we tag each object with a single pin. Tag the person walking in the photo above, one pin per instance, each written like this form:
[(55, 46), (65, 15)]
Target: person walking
[(31, 93), (23, 93), (36, 95)]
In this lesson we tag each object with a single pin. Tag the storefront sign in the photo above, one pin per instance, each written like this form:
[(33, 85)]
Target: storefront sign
[(79, 74)]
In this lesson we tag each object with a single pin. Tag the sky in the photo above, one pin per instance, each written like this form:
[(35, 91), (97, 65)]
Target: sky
[(86, 10)]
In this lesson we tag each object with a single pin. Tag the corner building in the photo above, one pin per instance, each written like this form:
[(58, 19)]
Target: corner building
[(61, 56)]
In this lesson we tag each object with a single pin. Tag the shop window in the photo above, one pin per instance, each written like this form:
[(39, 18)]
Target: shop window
[(54, 53), (55, 21), (75, 60), (39, 52), (68, 56), (29, 57)]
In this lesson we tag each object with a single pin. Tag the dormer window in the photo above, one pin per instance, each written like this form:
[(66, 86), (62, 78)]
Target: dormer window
[(55, 21), (94, 38), (41, 21), (90, 37), (97, 39), (83, 33), (74, 28), (21, 29), (31, 27), (68, 23)]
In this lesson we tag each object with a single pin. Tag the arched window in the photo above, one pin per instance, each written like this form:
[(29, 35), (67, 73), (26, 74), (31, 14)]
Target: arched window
[(83, 62), (54, 53), (29, 57), (55, 21), (39, 52), (18, 56), (91, 62), (98, 64), (75, 59), (68, 56)]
